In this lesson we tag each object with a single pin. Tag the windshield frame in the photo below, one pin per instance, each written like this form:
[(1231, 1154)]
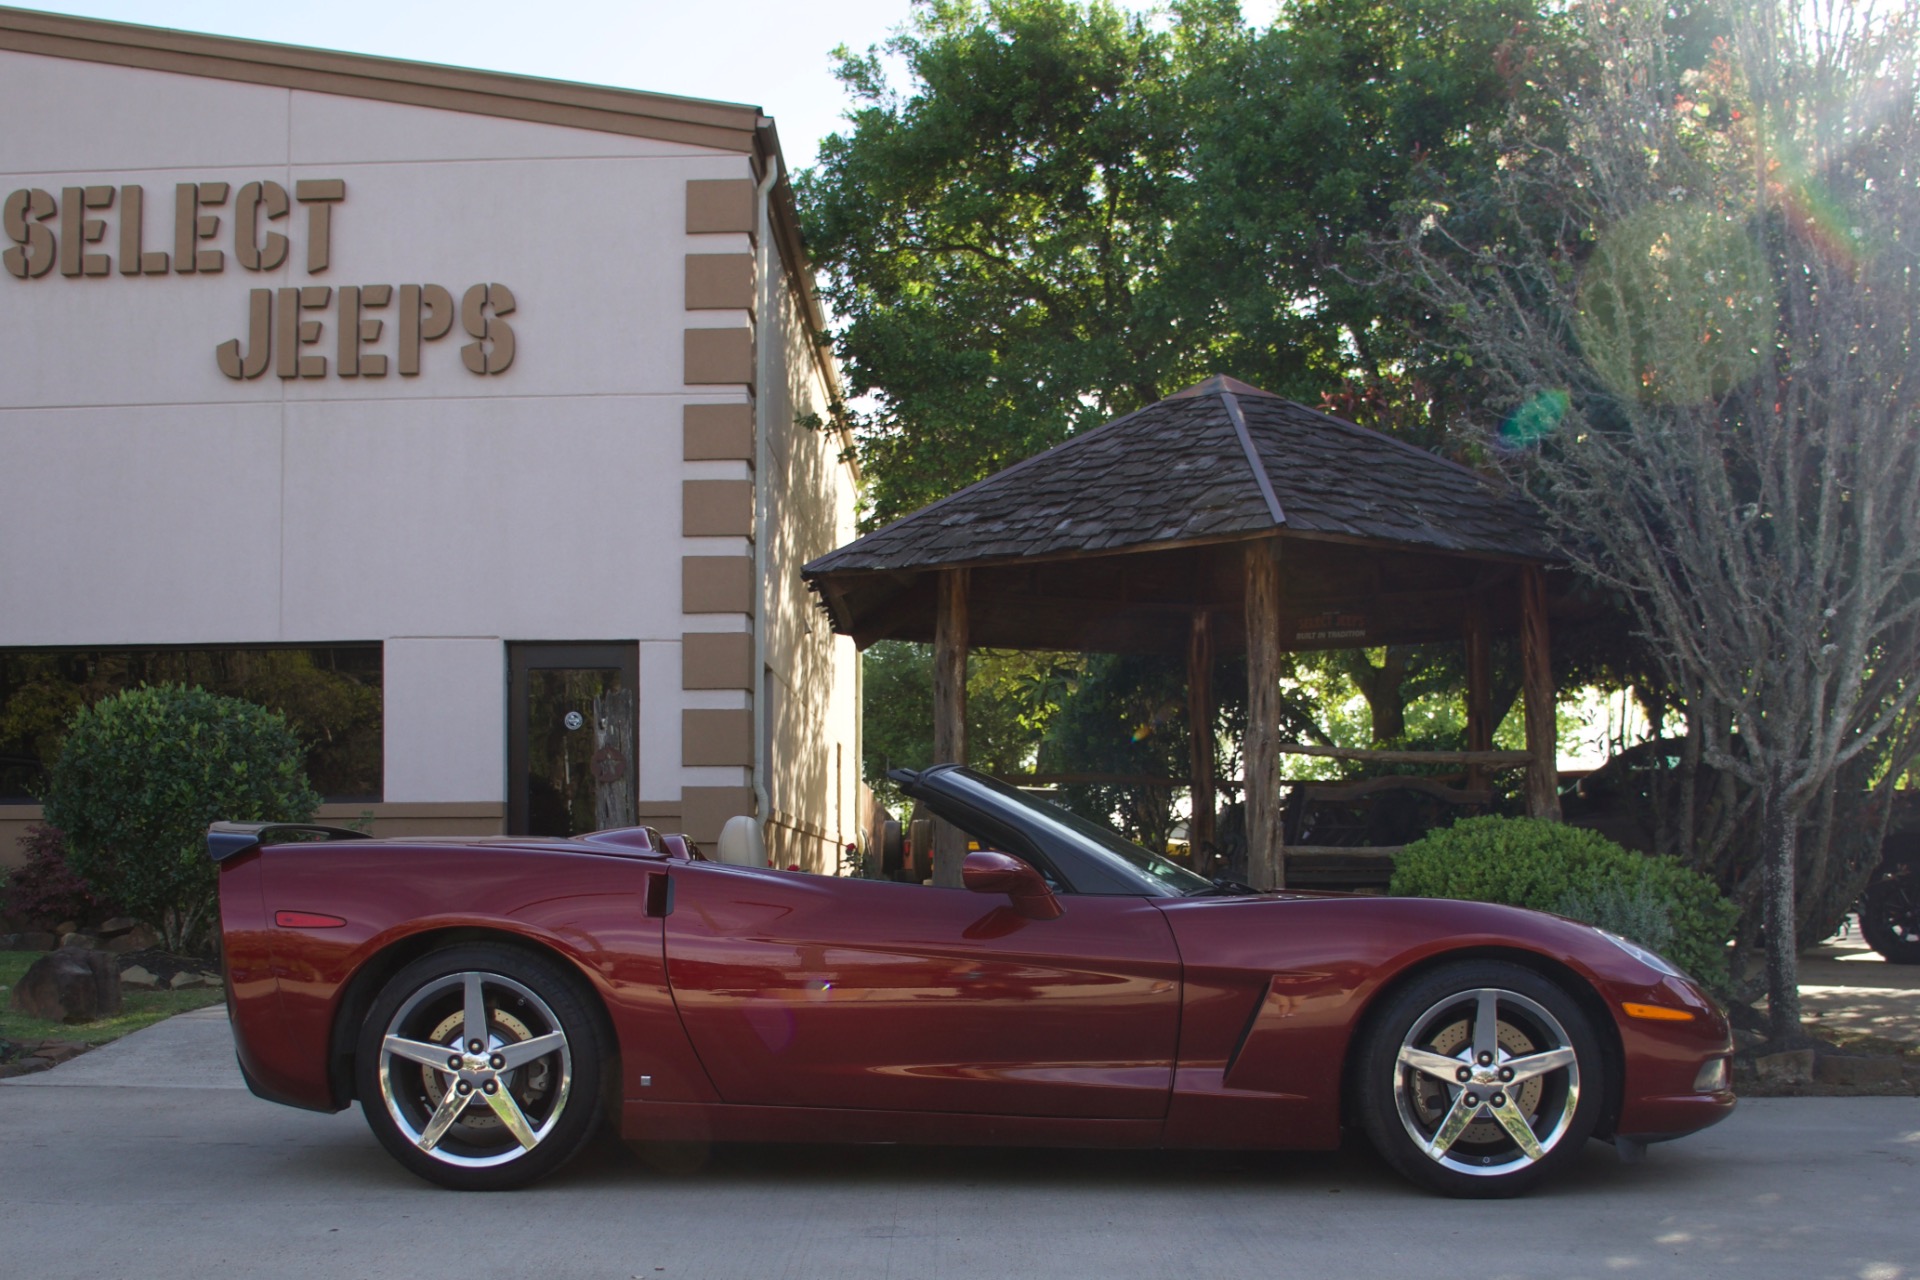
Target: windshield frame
[(1145, 871)]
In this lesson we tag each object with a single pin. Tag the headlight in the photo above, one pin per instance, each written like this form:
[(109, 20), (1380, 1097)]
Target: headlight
[(1648, 958)]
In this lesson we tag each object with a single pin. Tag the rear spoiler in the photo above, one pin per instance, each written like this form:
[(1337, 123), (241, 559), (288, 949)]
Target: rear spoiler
[(226, 839)]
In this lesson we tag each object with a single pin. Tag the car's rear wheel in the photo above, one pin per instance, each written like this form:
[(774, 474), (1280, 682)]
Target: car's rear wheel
[(1479, 1080), (480, 1067), (1890, 916)]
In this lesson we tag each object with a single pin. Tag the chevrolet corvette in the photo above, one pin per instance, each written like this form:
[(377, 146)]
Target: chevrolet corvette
[(490, 1003)]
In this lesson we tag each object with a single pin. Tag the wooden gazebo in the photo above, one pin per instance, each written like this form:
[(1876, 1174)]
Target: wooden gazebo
[(1217, 518)]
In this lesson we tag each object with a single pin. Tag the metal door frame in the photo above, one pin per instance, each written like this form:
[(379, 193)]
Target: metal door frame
[(524, 656)]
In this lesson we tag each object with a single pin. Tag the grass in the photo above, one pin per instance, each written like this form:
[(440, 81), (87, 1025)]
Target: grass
[(139, 1009)]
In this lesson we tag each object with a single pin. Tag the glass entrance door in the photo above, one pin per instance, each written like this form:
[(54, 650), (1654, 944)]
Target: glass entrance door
[(571, 716)]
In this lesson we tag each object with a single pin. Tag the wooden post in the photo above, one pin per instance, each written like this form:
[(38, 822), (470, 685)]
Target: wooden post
[(1266, 859), (950, 713), (1200, 825), (1536, 683), (1479, 693)]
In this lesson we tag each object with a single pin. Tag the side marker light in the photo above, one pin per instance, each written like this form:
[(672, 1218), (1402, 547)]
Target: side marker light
[(1656, 1012), (306, 920)]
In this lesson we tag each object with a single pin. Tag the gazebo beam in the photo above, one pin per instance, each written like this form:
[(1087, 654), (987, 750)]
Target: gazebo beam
[(1474, 641), (1266, 859), (1536, 682), (950, 713), (1200, 714)]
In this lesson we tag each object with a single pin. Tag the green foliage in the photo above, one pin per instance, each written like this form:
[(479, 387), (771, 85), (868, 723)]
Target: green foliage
[(995, 240), (1126, 715), (1011, 698), (1069, 212), (142, 774), (1548, 866), (330, 696)]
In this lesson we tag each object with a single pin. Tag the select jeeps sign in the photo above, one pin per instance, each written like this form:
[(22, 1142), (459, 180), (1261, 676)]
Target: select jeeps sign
[(285, 328)]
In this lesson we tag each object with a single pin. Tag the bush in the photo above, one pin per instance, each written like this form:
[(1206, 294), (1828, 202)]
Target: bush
[(1528, 862), (141, 775), (45, 891)]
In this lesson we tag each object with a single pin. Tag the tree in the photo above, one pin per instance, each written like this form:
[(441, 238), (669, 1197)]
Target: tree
[(144, 772), (1071, 212), (1011, 699), (1698, 309), (994, 243), (1305, 138)]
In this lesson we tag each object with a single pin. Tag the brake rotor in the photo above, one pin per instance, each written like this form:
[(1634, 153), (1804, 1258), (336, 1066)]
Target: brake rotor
[(1433, 1099), (528, 1084)]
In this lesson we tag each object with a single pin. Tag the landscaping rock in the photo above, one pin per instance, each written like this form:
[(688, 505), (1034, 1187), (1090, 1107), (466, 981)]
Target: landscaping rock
[(9, 941), (85, 941), (138, 978), (1878, 1069), (24, 1067), (34, 941), (70, 985), (115, 927), (1792, 1067), (66, 926), (135, 939), (55, 1052), (190, 980)]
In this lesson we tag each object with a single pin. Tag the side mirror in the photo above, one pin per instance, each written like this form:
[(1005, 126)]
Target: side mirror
[(989, 872)]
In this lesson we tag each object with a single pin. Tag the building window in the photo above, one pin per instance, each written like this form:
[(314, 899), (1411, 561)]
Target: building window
[(329, 694)]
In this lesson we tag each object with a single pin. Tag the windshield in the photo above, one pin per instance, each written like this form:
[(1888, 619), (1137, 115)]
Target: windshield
[(1158, 873)]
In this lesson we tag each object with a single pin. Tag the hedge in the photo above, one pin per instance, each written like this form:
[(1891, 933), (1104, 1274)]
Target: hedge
[(1548, 866), (140, 776)]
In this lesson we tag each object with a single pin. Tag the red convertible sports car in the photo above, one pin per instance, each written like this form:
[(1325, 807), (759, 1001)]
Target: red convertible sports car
[(491, 1002)]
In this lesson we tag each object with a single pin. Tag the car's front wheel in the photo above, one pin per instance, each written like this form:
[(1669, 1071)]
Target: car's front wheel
[(480, 1067), (1479, 1079)]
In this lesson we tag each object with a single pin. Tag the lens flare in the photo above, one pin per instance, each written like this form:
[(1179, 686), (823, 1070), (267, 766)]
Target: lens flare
[(1818, 218), (1534, 420)]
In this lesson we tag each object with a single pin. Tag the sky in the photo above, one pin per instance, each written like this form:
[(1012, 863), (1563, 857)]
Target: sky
[(772, 54)]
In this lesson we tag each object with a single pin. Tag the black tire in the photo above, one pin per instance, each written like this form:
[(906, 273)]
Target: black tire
[(1457, 1137), (426, 1095), (1890, 916)]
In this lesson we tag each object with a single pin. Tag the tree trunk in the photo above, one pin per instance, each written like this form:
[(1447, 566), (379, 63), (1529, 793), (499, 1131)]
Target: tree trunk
[(1536, 675), (1200, 822), (614, 786), (1780, 832), (1381, 687)]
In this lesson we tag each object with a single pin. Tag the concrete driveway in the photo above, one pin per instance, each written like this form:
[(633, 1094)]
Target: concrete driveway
[(148, 1159)]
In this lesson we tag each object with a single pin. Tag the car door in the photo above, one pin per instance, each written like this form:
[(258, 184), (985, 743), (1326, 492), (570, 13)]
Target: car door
[(802, 990)]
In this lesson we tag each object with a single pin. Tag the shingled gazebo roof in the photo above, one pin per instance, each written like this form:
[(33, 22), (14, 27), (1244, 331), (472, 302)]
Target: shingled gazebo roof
[(1109, 540)]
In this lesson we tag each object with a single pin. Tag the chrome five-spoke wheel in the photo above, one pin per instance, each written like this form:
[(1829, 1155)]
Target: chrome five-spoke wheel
[(480, 1067), (1479, 1079)]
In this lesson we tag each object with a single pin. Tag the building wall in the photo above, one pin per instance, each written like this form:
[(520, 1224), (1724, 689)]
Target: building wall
[(590, 490)]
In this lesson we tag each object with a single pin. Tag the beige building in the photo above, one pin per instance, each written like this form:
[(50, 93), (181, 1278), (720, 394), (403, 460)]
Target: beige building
[(467, 418)]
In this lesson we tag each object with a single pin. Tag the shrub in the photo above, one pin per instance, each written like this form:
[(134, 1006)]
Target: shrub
[(44, 890), (1528, 862), (141, 775)]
